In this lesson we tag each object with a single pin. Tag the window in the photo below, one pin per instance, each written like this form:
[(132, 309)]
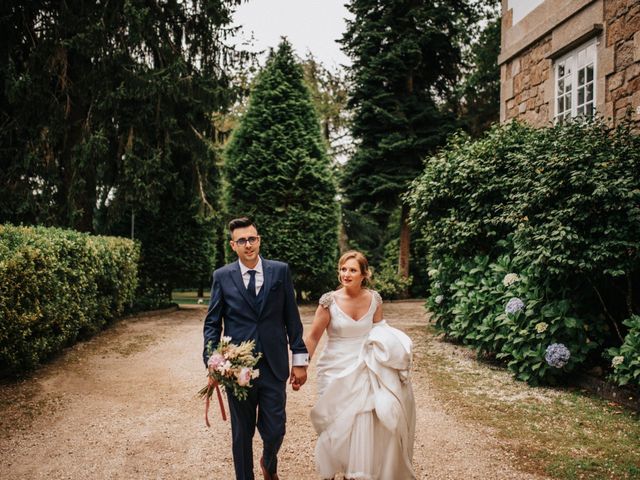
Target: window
[(575, 83)]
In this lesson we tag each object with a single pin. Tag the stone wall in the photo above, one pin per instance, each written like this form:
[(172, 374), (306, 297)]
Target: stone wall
[(622, 37), (556, 26), (525, 85)]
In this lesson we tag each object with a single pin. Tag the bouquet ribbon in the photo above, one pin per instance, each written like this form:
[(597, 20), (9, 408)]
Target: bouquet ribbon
[(208, 401)]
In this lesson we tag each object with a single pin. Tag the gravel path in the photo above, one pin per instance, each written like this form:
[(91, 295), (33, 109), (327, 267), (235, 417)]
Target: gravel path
[(123, 406)]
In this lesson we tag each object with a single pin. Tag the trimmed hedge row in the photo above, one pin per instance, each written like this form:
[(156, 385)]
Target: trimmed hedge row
[(57, 285), (534, 247)]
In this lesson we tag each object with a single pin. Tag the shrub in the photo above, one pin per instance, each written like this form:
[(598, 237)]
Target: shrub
[(386, 279), (56, 285), (389, 284), (502, 313), (559, 207), (625, 360)]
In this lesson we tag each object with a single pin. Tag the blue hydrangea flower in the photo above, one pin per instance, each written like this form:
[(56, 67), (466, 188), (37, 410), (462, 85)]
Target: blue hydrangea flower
[(557, 355), (514, 305)]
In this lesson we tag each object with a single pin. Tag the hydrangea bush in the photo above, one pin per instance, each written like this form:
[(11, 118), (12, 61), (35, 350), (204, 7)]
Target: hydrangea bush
[(532, 241), (515, 321), (625, 360)]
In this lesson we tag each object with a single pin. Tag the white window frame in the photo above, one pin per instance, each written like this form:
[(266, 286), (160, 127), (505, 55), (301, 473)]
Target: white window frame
[(575, 75)]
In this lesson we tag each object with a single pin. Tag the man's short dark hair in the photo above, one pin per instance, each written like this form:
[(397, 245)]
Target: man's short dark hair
[(242, 222)]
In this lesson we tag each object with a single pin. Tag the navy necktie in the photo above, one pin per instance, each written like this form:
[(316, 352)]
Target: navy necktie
[(251, 287)]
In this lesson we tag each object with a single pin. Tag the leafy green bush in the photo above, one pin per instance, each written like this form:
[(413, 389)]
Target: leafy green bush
[(386, 279), (559, 207), (504, 314), (625, 360), (389, 284), (56, 285)]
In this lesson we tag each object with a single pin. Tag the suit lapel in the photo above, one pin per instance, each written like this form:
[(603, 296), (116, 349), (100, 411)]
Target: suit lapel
[(236, 277), (267, 272)]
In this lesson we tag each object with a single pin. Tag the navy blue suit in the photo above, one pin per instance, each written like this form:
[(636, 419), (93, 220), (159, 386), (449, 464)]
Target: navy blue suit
[(273, 321)]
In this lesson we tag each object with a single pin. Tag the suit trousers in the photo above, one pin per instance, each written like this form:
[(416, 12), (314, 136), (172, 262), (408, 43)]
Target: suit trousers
[(264, 407)]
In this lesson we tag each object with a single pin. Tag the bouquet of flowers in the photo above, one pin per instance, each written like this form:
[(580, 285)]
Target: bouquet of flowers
[(231, 366)]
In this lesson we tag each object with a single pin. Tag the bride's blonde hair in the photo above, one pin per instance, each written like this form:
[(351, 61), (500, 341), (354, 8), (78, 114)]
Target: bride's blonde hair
[(362, 261)]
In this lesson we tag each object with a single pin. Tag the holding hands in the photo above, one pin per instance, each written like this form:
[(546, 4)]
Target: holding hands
[(298, 377)]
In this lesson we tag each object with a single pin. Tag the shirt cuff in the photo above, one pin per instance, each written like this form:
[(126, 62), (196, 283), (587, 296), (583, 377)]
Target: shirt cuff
[(300, 359)]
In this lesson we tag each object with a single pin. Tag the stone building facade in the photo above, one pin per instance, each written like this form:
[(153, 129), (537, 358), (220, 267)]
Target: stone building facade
[(566, 58)]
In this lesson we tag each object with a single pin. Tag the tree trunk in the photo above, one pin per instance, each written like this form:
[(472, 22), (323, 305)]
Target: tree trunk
[(405, 244), (78, 189), (343, 240)]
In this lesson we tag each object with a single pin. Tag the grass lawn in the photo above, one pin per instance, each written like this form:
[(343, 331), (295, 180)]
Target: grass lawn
[(188, 297), (563, 433)]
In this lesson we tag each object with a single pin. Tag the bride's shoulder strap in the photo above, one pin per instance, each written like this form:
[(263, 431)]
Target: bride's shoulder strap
[(376, 297), (326, 300)]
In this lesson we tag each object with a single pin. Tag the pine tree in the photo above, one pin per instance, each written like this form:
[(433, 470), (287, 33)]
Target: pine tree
[(481, 87), (278, 172), (406, 58), (105, 109)]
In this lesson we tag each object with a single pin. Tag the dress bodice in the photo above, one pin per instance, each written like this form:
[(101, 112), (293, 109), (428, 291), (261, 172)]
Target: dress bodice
[(345, 337), (344, 326)]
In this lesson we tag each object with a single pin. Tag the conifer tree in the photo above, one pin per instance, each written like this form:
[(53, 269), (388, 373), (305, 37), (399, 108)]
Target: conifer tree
[(406, 58), (481, 87), (278, 172), (105, 110)]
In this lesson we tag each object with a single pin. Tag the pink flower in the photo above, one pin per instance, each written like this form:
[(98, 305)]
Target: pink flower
[(216, 360), (244, 376)]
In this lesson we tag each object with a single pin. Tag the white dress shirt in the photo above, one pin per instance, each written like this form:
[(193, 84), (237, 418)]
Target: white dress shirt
[(297, 359), (244, 270)]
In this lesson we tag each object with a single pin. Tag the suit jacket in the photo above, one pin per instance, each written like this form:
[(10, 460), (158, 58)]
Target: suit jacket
[(273, 325)]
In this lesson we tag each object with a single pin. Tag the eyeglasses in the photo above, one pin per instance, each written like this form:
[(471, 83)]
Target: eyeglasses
[(243, 241)]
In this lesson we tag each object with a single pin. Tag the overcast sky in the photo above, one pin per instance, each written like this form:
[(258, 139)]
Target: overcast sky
[(310, 25)]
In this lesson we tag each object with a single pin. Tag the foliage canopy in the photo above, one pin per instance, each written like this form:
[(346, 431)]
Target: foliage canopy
[(277, 171)]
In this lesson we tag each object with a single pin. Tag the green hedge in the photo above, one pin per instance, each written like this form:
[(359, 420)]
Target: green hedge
[(558, 208), (57, 285)]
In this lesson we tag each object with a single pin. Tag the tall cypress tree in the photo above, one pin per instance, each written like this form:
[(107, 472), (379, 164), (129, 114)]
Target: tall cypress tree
[(278, 172), (406, 58)]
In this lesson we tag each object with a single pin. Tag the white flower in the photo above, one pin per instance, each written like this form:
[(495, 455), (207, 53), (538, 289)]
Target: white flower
[(541, 327), (439, 299), (225, 367), (244, 376), (225, 339), (510, 279), (255, 373), (617, 360)]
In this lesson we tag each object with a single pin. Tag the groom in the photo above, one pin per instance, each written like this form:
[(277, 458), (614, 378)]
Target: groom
[(253, 299)]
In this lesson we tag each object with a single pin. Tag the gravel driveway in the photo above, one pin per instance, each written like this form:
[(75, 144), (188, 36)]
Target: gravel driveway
[(123, 406)]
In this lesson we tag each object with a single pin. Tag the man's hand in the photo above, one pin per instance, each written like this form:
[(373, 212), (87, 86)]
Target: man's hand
[(298, 377)]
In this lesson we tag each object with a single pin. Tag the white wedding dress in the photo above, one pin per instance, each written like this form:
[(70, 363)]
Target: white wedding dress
[(365, 411)]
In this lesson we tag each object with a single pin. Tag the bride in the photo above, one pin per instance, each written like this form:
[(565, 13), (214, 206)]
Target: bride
[(365, 411)]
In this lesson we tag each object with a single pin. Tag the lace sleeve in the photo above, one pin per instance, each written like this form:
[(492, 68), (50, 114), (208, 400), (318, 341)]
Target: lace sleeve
[(376, 297), (326, 300)]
